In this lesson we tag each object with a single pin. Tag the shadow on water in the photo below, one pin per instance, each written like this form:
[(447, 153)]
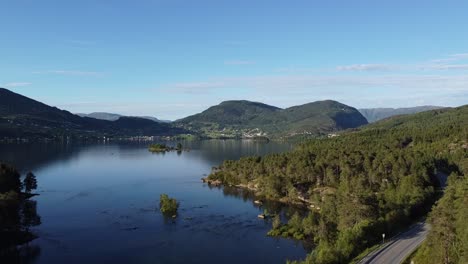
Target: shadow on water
[(20, 254), (15, 233), (18, 214), (270, 206), (32, 156)]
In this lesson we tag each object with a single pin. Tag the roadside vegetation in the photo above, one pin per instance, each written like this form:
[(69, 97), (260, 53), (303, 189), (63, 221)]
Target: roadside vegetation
[(363, 183), (447, 241)]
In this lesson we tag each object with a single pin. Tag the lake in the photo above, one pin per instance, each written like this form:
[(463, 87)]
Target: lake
[(98, 203)]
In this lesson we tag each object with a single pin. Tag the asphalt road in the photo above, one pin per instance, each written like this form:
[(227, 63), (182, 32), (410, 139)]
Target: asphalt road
[(396, 250)]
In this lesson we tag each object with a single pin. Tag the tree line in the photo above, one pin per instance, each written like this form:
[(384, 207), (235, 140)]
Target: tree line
[(374, 180)]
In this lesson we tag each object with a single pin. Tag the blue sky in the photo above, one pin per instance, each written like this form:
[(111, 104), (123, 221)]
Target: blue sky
[(174, 58)]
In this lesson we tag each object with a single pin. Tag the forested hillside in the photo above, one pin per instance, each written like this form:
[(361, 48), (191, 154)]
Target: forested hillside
[(245, 118), (22, 117), (360, 184), (447, 241)]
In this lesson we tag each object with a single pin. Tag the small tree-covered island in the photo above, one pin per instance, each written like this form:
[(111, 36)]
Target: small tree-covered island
[(168, 206), (162, 148), (362, 183)]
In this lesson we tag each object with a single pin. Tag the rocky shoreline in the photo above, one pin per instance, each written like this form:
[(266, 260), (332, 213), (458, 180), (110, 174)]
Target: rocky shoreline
[(300, 200)]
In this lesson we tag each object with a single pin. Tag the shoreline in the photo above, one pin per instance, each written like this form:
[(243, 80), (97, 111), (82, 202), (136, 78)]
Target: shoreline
[(302, 203)]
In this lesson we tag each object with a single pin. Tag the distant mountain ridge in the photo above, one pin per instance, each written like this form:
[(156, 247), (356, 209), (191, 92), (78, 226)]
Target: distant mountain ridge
[(114, 117), (22, 117), (101, 116), (253, 118), (376, 114)]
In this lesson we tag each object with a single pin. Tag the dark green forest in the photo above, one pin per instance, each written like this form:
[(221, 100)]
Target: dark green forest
[(447, 242), (17, 211), (22, 117), (362, 183)]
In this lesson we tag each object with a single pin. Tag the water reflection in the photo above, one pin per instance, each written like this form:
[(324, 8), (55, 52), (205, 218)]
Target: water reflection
[(16, 221), (99, 204), (32, 156), (22, 254)]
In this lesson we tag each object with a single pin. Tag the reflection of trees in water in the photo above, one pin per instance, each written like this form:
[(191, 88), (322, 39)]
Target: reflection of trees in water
[(17, 215), (270, 205), (32, 156), (29, 216), (24, 254), (286, 211), (245, 195), (216, 151)]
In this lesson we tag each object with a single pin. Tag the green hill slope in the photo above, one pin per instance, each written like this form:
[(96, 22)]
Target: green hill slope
[(22, 117), (241, 118), (228, 114)]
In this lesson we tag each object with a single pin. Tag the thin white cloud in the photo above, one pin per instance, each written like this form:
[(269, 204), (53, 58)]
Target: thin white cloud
[(446, 67), (17, 84), (460, 56), (296, 70), (366, 67), (442, 61), (287, 84), (451, 58), (70, 72), (450, 62), (239, 62)]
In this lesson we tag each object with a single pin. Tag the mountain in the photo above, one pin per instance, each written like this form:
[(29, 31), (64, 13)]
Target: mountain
[(101, 116), (229, 113), (245, 118), (23, 117), (376, 114), (114, 117)]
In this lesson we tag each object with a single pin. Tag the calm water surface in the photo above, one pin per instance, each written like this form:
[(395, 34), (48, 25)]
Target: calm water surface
[(99, 204)]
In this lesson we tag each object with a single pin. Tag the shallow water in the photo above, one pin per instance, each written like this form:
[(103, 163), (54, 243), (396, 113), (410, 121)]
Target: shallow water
[(99, 204)]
